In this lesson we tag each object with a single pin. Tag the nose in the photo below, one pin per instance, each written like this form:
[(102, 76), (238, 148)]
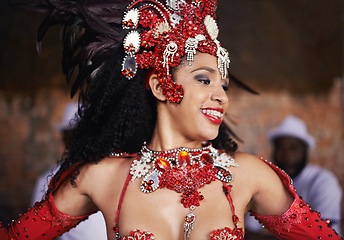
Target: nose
[(219, 95)]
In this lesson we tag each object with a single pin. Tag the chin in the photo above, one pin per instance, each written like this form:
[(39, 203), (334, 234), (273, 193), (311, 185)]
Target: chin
[(207, 132), (211, 135)]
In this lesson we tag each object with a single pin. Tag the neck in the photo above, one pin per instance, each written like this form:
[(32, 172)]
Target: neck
[(163, 139)]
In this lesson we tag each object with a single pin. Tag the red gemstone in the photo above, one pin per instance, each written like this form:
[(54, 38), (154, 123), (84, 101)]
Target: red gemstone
[(184, 158), (162, 164), (150, 182), (206, 158), (235, 218)]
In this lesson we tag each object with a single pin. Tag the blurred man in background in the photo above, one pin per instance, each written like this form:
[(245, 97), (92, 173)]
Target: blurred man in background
[(319, 187), (94, 227)]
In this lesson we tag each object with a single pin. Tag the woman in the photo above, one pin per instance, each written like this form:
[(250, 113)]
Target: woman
[(151, 151)]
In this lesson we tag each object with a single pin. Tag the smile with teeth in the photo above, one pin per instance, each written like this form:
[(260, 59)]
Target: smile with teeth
[(213, 113)]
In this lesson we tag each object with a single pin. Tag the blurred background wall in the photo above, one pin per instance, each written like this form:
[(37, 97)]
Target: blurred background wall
[(290, 51)]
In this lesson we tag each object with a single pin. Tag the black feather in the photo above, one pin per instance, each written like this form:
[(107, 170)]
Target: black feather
[(241, 84), (91, 32)]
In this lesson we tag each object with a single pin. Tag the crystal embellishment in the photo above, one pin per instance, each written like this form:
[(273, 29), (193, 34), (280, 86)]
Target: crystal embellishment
[(188, 223), (191, 44), (211, 26), (131, 42), (222, 59), (169, 53), (224, 160), (182, 170), (150, 182), (131, 46), (131, 19), (173, 4), (138, 169)]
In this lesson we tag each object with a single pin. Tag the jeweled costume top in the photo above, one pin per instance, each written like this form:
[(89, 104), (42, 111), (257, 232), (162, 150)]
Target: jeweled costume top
[(184, 171)]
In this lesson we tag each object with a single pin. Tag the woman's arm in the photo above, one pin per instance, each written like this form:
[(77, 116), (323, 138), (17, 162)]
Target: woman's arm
[(41, 222), (61, 210), (298, 221)]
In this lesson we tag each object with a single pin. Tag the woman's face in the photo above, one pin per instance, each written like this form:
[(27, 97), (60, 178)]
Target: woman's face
[(205, 101)]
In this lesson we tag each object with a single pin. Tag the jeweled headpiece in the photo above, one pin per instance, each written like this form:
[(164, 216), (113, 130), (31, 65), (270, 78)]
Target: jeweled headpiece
[(155, 34), (161, 35)]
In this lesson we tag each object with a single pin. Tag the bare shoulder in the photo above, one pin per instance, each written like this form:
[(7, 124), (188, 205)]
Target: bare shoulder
[(106, 166), (253, 168), (269, 195), (92, 182), (96, 178), (247, 159)]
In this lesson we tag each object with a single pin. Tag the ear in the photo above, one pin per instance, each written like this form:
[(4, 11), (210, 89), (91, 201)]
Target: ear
[(155, 87)]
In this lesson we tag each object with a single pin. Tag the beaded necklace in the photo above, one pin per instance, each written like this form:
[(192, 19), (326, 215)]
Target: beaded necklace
[(183, 170)]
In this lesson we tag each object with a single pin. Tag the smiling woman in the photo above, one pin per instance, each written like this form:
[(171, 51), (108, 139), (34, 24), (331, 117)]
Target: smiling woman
[(150, 150)]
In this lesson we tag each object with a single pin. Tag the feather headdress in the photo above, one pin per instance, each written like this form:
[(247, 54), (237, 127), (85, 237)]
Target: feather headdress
[(154, 35)]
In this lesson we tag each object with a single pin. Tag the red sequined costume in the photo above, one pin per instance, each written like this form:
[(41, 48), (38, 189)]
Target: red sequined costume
[(299, 222)]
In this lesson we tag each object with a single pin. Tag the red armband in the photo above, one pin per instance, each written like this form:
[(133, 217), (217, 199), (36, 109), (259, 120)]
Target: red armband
[(299, 222), (41, 222)]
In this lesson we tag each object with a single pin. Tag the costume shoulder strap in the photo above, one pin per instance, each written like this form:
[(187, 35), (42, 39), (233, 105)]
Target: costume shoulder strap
[(124, 189), (227, 190)]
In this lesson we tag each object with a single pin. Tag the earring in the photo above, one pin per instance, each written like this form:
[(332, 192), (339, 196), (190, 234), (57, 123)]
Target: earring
[(174, 93)]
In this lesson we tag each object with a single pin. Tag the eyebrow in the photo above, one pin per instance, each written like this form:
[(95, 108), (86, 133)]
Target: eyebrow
[(209, 69)]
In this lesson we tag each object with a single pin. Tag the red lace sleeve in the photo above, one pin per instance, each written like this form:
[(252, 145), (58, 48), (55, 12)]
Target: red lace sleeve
[(299, 222), (41, 222)]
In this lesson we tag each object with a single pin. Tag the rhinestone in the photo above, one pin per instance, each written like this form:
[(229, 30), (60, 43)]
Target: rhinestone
[(162, 164), (184, 158)]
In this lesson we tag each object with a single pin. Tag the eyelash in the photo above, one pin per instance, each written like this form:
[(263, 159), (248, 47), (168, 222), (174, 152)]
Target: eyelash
[(205, 81)]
